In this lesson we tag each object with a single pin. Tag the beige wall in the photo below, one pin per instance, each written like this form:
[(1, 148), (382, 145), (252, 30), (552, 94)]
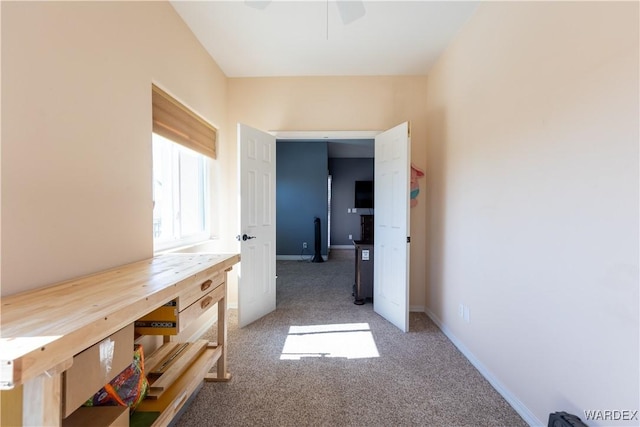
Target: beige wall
[(339, 103), (528, 133), (82, 203), (76, 130), (533, 169)]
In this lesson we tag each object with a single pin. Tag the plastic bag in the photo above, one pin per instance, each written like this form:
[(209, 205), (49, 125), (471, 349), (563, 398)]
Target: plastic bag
[(128, 388)]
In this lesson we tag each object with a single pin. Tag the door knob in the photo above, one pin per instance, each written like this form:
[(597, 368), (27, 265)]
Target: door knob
[(244, 237)]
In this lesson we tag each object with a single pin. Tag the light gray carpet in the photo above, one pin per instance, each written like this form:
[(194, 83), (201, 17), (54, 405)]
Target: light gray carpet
[(419, 378)]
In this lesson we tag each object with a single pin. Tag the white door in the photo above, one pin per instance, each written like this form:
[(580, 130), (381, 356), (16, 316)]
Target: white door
[(257, 277), (391, 225)]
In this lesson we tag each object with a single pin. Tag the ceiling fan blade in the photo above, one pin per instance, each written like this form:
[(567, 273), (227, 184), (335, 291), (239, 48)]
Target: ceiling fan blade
[(257, 4), (350, 10)]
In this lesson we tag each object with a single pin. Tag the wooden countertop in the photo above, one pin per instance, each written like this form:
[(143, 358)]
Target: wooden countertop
[(44, 328)]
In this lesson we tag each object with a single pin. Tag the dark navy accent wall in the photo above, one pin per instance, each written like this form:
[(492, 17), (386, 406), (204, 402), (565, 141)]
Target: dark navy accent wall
[(344, 173), (301, 195)]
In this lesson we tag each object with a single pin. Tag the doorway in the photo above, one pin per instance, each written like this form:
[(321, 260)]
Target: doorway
[(335, 160), (392, 161)]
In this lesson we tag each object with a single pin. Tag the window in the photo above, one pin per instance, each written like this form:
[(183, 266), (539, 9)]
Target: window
[(180, 195), (183, 144)]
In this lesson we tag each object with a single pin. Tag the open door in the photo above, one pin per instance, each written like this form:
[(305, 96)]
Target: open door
[(257, 277), (391, 225)]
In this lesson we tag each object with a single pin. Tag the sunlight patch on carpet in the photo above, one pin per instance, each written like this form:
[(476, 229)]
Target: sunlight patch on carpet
[(347, 340)]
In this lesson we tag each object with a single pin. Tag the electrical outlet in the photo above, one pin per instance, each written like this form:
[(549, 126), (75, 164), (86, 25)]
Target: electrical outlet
[(350, 237), (461, 310), (304, 245)]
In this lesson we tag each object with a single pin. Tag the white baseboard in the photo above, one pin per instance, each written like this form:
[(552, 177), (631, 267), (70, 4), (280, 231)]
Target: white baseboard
[(306, 257), (515, 403), (417, 308), (341, 247)]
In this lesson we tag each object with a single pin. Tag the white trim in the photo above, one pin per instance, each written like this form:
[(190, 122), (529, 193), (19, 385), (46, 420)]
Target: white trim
[(338, 247), (305, 257), (189, 247), (417, 308), (325, 134), (178, 244), (515, 403)]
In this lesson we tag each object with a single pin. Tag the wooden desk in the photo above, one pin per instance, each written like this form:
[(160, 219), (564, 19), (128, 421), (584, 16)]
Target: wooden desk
[(42, 330)]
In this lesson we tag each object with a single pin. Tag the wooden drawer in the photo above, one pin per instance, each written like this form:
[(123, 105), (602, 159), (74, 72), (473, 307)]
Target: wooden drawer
[(198, 308), (95, 367), (167, 320), (98, 416), (204, 283)]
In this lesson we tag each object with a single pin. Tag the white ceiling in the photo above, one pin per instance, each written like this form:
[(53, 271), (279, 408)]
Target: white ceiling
[(309, 38)]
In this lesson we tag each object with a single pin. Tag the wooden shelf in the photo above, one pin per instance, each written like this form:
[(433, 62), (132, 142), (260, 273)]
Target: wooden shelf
[(175, 363), (176, 395), (98, 416)]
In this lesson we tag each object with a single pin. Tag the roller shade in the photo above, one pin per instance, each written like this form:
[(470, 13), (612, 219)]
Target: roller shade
[(176, 122)]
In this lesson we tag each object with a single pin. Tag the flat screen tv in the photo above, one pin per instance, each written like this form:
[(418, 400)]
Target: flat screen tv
[(364, 194)]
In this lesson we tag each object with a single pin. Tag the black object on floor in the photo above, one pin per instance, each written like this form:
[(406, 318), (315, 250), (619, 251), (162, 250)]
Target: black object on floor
[(563, 419), (317, 257)]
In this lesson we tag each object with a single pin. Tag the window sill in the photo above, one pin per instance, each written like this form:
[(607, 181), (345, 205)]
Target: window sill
[(207, 245)]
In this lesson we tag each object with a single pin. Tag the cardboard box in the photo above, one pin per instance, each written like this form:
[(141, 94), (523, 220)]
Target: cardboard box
[(95, 367), (98, 416)]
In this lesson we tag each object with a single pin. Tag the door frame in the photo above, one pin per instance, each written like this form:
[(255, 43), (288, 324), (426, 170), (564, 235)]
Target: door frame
[(326, 134), (319, 135)]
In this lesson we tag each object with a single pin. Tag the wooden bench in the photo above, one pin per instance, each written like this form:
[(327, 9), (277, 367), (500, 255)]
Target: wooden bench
[(45, 330)]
